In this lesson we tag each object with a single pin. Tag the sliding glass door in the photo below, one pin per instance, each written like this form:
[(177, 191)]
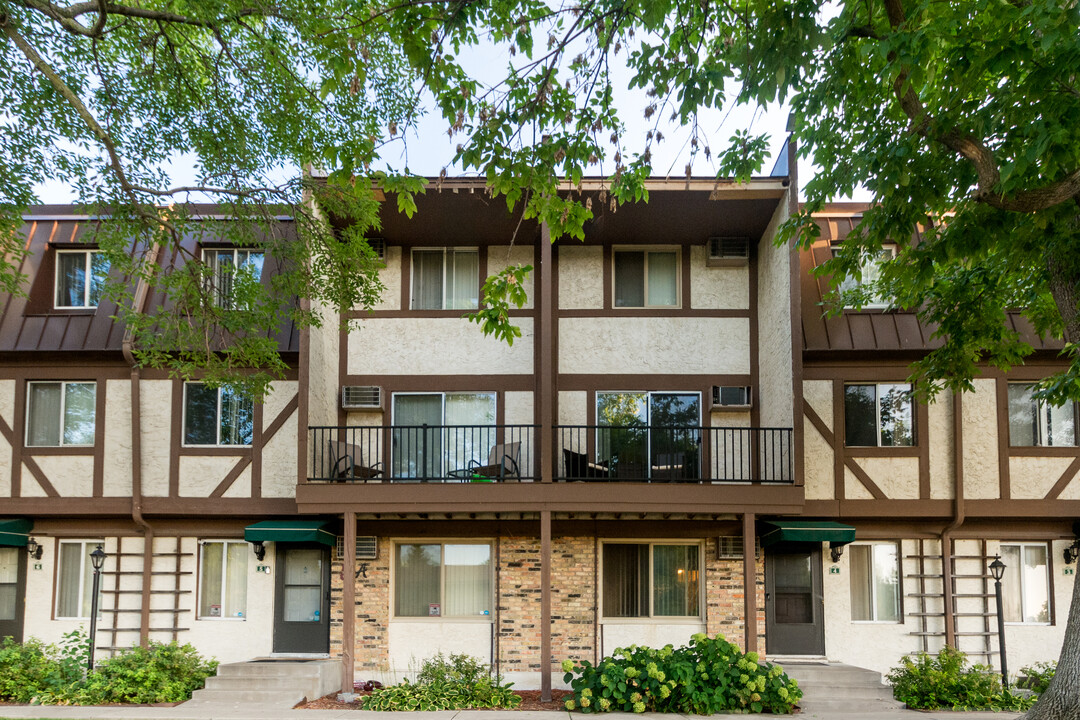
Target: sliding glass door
[(649, 435), (436, 434)]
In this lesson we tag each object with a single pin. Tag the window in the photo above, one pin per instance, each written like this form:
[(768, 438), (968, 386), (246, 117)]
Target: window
[(9, 582), (442, 580), (875, 582), (75, 578), (439, 433), (80, 278), (651, 580), (60, 413), (223, 579), (646, 278), (233, 271), (649, 434), (878, 416), (446, 279), (1025, 586), (216, 416), (1033, 422), (869, 273)]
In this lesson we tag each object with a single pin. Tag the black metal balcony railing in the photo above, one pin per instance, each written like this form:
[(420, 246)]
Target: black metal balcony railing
[(587, 453)]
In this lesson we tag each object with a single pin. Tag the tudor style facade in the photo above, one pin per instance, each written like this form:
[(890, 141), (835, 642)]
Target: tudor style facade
[(676, 424)]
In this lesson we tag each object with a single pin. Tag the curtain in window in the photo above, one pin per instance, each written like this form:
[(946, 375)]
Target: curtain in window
[(79, 406), (469, 443), (9, 576), (68, 599), (629, 279), (467, 581), (1011, 587), (237, 418), (427, 290), (859, 561), (886, 582), (236, 580), (71, 279), (626, 572), (663, 274), (210, 593), (675, 581), (1036, 590), (416, 579), (1023, 416), (44, 414), (896, 421), (462, 279), (417, 450)]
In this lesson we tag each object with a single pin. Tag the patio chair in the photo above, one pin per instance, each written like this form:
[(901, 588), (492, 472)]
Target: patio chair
[(502, 462), (344, 465), (669, 467), (577, 467)]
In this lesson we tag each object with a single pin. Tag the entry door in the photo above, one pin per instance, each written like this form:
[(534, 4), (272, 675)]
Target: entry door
[(302, 599), (794, 605), (12, 591)]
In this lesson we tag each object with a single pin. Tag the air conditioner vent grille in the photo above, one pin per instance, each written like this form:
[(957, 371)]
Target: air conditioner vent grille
[(367, 547), (729, 248), (730, 547), (361, 397), (379, 246), (731, 396)]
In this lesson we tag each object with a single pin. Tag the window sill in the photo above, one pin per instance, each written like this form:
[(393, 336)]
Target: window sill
[(1028, 624), (469, 620), (215, 449), (872, 451), (652, 621), (87, 450), (211, 618), (1044, 450), (877, 622)]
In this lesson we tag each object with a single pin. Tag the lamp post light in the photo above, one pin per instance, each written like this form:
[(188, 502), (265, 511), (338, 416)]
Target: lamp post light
[(997, 570), (97, 559)]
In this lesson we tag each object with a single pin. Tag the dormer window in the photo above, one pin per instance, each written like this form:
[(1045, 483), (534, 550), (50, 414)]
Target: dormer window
[(80, 278), (227, 266)]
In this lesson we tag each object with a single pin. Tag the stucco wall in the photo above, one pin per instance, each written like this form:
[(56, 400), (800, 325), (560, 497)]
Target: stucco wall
[(774, 389), (71, 475), (200, 474), (279, 453), (818, 470), (645, 345), (323, 386), (155, 407), (7, 412), (942, 447), (436, 346), (979, 413), (1030, 478), (501, 256), (391, 280), (581, 277), (717, 288), (116, 473), (898, 477)]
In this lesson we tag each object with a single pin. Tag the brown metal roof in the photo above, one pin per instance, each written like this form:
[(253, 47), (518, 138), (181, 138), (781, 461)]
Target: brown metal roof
[(857, 331), (30, 323)]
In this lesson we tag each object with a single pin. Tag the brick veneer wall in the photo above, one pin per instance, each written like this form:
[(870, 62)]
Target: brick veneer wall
[(573, 603)]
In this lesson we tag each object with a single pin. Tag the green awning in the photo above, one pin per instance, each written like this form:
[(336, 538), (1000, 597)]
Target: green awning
[(15, 532), (291, 531), (778, 531)]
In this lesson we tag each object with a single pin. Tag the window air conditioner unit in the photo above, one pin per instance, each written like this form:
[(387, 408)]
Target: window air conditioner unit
[(730, 547), (367, 547), (731, 396), (728, 250), (379, 246), (361, 397)]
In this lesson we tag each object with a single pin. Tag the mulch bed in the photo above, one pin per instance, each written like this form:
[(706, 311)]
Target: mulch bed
[(530, 700)]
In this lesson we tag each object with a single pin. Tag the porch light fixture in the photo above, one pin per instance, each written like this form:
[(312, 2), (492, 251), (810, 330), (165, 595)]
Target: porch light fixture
[(835, 551), (34, 548), (997, 571), (259, 549), (1072, 552)]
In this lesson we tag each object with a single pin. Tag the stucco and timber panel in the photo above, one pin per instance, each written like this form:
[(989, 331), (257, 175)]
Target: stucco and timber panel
[(581, 277), (775, 355), (980, 433)]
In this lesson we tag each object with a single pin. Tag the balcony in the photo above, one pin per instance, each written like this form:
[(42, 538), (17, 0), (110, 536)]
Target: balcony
[(471, 454)]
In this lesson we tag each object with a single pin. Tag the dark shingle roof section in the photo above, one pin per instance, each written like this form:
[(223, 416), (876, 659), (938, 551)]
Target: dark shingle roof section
[(30, 323), (868, 331)]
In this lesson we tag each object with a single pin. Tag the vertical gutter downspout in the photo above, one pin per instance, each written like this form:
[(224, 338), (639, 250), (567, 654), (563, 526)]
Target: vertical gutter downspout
[(141, 291), (957, 521)]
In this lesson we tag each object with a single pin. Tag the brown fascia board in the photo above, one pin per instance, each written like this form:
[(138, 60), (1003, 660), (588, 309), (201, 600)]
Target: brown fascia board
[(200, 211)]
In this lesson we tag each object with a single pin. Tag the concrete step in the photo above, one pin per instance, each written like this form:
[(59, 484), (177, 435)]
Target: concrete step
[(270, 669), (286, 698), (836, 687), (280, 684), (849, 706)]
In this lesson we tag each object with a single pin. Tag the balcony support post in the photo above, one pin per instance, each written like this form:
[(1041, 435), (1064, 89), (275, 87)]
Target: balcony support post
[(749, 584), (545, 605), (348, 602), (545, 340)]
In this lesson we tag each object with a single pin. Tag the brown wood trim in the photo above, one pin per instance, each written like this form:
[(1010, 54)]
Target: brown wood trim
[(818, 423), (922, 444), (175, 436), (664, 382), (1023, 508), (216, 450), (1063, 482), (303, 390), (754, 335), (1043, 451), (289, 373), (1004, 482), (241, 507), (749, 579), (861, 475), (655, 312), (70, 450), (67, 506), (883, 452), (101, 390), (443, 383), (406, 277), (839, 433), (229, 479), (545, 605), (481, 270), (545, 389), (609, 278), (18, 420), (348, 600), (36, 471), (258, 443), (28, 461), (684, 279), (343, 366), (461, 314), (938, 510)]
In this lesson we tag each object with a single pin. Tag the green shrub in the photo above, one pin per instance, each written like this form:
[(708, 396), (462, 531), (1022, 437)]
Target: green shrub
[(26, 670), (705, 677), (930, 683), (1037, 677), (158, 673), (456, 682)]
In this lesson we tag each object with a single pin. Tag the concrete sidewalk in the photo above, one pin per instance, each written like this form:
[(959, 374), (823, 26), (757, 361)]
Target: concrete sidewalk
[(264, 712)]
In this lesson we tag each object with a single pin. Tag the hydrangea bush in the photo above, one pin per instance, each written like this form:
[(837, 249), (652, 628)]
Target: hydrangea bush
[(705, 677)]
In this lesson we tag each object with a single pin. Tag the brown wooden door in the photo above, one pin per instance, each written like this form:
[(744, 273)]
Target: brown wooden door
[(794, 603), (12, 591)]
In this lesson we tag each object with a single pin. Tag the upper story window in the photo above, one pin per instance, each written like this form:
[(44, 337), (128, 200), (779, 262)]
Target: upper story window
[(217, 416), (80, 278), (445, 279), (643, 580), (226, 266), (646, 278), (60, 413), (443, 580), (74, 580), (875, 582), (223, 579), (870, 272), (1026, 583), (878, 415), (440, 433), (1033, 422)]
